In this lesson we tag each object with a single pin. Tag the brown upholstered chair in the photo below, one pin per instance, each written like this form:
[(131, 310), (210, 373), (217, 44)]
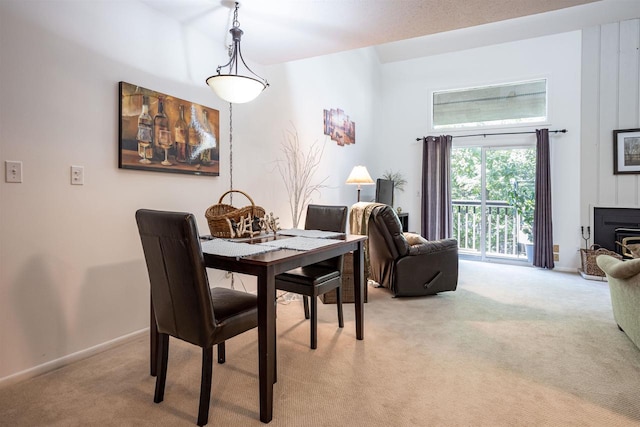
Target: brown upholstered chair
[(184, 305), (317, 279), (422, 268)]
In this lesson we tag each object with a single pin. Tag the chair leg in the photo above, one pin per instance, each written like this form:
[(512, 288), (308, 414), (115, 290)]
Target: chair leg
[(314, 322), (153, 343), (205, 385), (221, 353), (339, 304), (305, 302), (162, 355)]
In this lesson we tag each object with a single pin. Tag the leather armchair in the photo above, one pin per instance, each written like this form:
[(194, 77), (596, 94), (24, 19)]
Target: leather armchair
[(423, 268)]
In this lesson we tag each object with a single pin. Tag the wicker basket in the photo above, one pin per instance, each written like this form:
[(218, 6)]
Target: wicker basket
[(348, 291), (589, 265), (222, 218)]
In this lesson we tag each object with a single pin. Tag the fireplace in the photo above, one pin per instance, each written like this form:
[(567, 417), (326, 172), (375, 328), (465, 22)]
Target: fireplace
[(615, 224)]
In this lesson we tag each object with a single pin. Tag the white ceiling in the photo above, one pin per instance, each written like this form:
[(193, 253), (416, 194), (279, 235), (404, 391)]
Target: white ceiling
[(277, 31)]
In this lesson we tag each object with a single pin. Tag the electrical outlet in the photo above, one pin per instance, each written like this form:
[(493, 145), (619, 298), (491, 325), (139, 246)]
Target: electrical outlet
[(556, 248), (13, 171), (77, 175), (556, 257)]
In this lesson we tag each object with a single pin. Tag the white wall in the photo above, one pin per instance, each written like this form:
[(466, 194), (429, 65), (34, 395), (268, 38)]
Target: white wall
[(299, 92), (72, 273), (406, 88), (611, 100)]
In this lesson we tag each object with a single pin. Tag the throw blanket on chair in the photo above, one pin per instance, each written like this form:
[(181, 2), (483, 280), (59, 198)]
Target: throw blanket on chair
[(359, 224)]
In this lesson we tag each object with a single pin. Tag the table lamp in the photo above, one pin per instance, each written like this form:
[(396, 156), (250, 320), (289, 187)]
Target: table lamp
[(360, 176)]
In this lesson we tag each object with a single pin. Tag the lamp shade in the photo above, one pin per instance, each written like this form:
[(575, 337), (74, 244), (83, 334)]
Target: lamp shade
[(359, 175), (234, 88)]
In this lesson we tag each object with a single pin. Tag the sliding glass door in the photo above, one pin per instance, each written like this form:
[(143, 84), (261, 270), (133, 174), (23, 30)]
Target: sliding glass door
[(493, 200)]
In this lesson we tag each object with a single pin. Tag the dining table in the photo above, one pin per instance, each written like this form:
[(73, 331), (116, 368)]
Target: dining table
[(281, 255)]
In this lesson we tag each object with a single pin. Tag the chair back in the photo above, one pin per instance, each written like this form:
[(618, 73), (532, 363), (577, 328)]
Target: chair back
[(385, 234), (327, 218), (179, 285)]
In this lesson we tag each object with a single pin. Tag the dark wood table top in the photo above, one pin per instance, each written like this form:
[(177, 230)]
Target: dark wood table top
[(284, 259)]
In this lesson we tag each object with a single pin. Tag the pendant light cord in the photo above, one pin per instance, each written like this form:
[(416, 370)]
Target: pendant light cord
[(231, 167), (236, 23), (231, 150)]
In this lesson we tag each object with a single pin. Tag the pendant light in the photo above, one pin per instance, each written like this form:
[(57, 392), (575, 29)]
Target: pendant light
[(234, 87)]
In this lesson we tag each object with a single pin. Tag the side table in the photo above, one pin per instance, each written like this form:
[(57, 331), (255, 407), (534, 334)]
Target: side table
[(404, 220)]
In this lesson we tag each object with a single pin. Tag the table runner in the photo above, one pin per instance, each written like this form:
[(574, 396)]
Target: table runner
[(299, 243), (233, 249), (316, 234)]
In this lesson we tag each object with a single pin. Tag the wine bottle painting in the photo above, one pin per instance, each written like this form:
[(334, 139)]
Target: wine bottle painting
[(163, 133)]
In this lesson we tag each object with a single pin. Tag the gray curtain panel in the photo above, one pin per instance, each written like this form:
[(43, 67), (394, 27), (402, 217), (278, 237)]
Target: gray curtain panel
[(437, 214), (542, 224)]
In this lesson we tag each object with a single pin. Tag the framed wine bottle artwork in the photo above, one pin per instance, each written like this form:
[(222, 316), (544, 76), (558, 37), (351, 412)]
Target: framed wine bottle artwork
[(162, 133)]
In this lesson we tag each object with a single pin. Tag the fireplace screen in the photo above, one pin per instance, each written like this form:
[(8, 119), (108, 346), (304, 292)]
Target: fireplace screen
[(613, 225)]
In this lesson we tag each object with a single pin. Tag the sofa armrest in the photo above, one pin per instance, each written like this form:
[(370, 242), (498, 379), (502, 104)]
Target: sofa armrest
[(434, 246), (618, 269)]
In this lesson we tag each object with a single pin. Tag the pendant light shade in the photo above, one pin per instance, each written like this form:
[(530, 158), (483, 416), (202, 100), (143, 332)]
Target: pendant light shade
[(235, 87)]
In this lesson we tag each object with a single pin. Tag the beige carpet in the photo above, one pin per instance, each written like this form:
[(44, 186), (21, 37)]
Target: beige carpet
[(513, 346)]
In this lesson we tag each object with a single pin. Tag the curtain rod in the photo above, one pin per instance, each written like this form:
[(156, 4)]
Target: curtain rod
[(500, 133)]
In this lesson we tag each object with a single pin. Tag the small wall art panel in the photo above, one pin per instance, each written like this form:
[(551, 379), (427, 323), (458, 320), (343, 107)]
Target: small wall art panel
[(162, 133), (338, 126)]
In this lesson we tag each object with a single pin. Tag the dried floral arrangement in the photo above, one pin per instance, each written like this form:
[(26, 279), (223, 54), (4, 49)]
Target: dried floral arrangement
[(297, 169)]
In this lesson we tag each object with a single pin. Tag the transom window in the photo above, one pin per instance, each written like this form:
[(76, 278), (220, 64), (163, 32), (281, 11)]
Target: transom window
[(503, 104)]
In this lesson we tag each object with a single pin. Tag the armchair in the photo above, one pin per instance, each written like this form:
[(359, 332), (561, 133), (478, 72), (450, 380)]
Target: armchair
[(624, 284), (421, 268)]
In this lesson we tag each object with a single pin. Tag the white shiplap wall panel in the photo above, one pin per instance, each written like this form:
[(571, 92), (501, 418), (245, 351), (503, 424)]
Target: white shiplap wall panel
[(590, 141), (609, 45), (629, 74), (610, 100), (628, 100)]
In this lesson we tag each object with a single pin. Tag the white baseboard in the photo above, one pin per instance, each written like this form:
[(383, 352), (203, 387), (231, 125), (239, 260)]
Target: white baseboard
[(566, 269), (66, 360)]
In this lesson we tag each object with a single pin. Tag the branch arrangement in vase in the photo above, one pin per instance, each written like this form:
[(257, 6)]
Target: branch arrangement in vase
[(297, 169)]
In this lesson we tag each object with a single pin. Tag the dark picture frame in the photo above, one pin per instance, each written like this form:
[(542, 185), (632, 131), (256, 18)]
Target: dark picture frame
[(626, 151), (162, 133)]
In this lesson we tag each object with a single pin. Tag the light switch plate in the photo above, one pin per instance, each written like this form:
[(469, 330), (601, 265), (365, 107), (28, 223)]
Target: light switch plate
[(13, 171)]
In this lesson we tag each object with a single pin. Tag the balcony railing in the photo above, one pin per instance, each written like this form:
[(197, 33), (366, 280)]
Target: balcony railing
[(503, 237)]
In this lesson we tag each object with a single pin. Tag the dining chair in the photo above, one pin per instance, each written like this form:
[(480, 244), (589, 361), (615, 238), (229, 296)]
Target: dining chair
[(317, 279), (184, 305)]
